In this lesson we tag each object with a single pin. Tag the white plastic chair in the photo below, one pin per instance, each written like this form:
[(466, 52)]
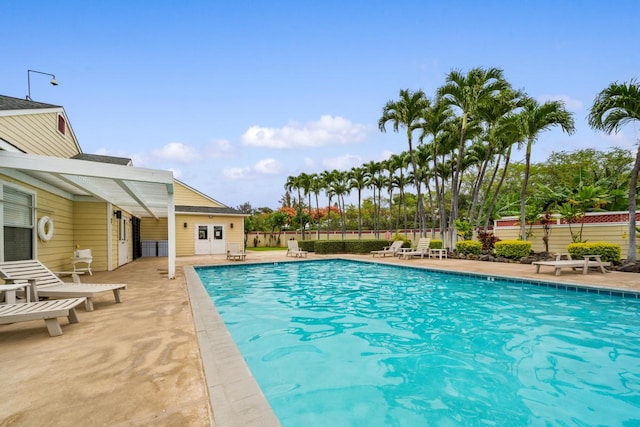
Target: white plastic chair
[(82, 256)]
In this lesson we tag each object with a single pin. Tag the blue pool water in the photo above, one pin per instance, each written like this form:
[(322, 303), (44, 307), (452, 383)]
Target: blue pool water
[(341, 343)]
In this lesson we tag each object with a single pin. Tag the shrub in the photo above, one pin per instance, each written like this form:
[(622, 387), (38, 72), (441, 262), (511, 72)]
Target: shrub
[(608, 251), (307, 245), (364, 246), (513, 249), (466, 247), (329, 246), (406, 243), (435, 244), (354, 246), (488, 240)]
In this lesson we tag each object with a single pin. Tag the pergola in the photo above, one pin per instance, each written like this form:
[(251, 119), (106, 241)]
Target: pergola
[(139, 191)]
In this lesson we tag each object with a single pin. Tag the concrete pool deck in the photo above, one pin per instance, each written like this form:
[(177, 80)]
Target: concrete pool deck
[(140, 362)]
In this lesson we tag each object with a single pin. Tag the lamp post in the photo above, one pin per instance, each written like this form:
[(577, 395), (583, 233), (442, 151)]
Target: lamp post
[(53, 81)]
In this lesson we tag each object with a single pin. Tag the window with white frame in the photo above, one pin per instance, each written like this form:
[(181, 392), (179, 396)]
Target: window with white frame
[(18, 219)]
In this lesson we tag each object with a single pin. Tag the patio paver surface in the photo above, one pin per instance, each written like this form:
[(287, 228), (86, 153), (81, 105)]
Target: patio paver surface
[(139, 362)]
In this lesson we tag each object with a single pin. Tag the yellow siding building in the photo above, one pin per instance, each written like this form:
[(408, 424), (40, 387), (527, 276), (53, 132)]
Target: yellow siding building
[(56, 199)]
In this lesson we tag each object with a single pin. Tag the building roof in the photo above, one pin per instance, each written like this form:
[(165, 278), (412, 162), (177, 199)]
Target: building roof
[(8, 103), (142, 192), (208, 210), (103, 159)]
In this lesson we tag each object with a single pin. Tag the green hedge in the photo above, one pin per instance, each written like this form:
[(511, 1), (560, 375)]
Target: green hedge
[(436, 244), (329, 247), (513, 249), (364, 246), (608, 251), (307, 245), (347, 246), (466, 247)]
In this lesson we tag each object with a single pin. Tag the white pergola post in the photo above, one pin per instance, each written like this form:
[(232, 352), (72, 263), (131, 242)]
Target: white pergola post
[(171, 232)]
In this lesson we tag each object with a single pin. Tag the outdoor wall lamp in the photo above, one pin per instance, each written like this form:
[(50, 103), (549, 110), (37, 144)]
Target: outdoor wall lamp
[(53, 81), (231, 225), (184, 225)]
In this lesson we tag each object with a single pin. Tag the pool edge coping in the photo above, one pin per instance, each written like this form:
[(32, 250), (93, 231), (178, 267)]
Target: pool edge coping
[(236, 398)]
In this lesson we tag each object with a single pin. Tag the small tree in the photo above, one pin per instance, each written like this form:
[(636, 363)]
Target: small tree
[(571, 214), (276, 222)]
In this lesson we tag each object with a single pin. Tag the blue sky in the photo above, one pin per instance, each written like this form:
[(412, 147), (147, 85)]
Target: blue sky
[(234, 96)]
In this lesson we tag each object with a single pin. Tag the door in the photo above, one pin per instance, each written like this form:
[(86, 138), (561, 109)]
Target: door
[(210, 239), (123, 241)]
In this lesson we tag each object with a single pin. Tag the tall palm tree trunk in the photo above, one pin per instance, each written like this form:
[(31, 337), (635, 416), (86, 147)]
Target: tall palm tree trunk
[(631, 252), (523, 192), (483, 198), (454, 182), (507, 159), (317, 217)]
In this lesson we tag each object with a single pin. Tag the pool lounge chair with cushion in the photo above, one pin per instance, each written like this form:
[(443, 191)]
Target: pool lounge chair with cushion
[(234, 253), (389, 250), (45, 283), (49, 311), (294, 250), (589, 261), (422, 249)]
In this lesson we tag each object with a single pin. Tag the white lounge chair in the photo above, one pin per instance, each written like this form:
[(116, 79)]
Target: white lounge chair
[(294, 250), (235, 253), (49, 311), (422, 249), (589, 261), (45, 283), (389, 250)]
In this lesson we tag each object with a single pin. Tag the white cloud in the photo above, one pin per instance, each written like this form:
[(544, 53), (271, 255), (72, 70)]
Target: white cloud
[(570, 103), (218, 148), (177, 173), (386, 154), (326, 131), (618, 138), (343, 163), (176, 151), (260, 168), (268, 167), (309, 164), (234, 174)]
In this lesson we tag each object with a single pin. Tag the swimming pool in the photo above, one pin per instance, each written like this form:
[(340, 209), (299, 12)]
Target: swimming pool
[(350, 343)]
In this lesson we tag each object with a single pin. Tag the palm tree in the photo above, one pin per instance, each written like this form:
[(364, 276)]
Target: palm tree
[(424, 154), (615, 106), (536, 118), (407, 112), (327, 182), (492, 114), (468, 92), (373, 171), (435, 121), (392, 164), (293, 183), (316, 186), (508, 133), (340, 188), (400, 181), (358, 179), (304, 180)]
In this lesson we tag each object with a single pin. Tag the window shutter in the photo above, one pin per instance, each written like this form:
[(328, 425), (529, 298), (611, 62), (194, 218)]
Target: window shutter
[(17, 208)]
